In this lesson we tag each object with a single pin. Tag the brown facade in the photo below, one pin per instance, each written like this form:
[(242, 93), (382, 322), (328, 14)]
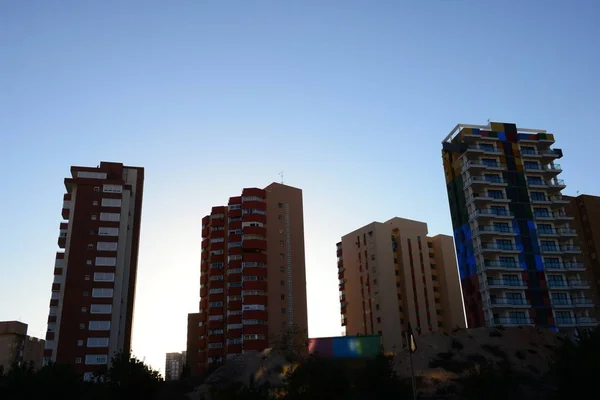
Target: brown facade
[(392, 276), (253, 283), (17, 347), (586, 210), (91, 307), (174, 363)]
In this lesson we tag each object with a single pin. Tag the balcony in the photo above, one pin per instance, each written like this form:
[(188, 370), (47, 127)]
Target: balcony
[(576, 321), (476, 164), (487, 197), (482, 180), (547, 232), (559, 200), (497, 248), (570, 284), (556, 184), (552, 168), (507, 302), (570, 249), (543, 200), (494, 230), (546, 215), (561, 303), (569, 266), (500, 213), (567, 232), (503, 284), (537, 183), (484, 149), (550, 249), (498, 265), (508, 321), (583, 302)]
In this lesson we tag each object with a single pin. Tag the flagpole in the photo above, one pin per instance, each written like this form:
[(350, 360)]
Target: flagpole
[(412, 369)]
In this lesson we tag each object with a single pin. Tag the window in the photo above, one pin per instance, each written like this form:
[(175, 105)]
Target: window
[(281, 243), (102, 292), (92, 232), (495, 194), (535, 180), (249, 307), (90, 247), (215, 345), (83, 309), (216, 278), (95, 202), (105, 231), (215, 304), (283, 310), (283, 297), (527, 150), (280, 217), (114, 217), (254, 337), (96, 188), (99, 325), (78, 360), (79, 343), (215, 331), (282, 268), (280, 205), (538, 196), (86, 277), (111, 202), (106, 261), (96, 359), (82, 326), (112, 188), (106, 246), (215, 291), (282, 283), (104, 276), (253, 322), (93, 217), (531, 165), (493, 178), (97, 342), (377, 306), (86, 293), (100, 308), (490, 162)]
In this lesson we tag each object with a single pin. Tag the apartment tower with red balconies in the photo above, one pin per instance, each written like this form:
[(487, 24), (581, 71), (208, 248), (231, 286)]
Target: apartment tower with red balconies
[(253, 282), (91, 307)]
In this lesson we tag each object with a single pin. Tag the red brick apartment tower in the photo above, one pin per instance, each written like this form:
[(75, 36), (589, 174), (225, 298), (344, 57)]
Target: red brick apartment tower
[(253, 282), (91, 308)]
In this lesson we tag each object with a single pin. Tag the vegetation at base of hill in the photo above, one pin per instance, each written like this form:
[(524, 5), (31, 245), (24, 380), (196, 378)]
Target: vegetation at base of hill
[(126, 378)]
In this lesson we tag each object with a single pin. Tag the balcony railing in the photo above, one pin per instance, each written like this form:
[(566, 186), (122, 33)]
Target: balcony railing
[(511, 321), (568, 284), (557, 232), (481, 164), (486, 196), (500, 212), (500, 265), (499, 246), (495, 229), (570, 249), (559, 199), (556, 182), (507, 301), (487, 149), (551, 215), (564, 266), (504, 282), (582, 301), (576, 321)]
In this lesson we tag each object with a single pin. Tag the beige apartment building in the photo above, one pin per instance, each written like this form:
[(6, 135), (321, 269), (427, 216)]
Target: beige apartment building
[(586, 211), (392, 275), (17, 347)]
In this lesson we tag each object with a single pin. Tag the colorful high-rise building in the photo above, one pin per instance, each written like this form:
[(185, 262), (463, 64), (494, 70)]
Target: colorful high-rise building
[(586, 210), (517, 258), (392, 276), (91, 307), (253, 282)]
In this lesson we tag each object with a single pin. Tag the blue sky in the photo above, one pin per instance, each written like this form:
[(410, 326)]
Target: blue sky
[(350, 99)]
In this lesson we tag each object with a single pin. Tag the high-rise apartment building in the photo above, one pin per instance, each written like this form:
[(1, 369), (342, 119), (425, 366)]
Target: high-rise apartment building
[(174, 364), (586, 210), (18, 348), (91, 308), (516, 254), (253, 283), (392, 275)]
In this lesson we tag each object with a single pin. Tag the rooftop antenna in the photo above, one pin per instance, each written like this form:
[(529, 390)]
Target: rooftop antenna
[(281, 175), (488, 121)]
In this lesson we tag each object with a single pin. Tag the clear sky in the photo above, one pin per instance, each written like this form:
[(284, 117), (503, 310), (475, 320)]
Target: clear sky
[(350, 99)]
